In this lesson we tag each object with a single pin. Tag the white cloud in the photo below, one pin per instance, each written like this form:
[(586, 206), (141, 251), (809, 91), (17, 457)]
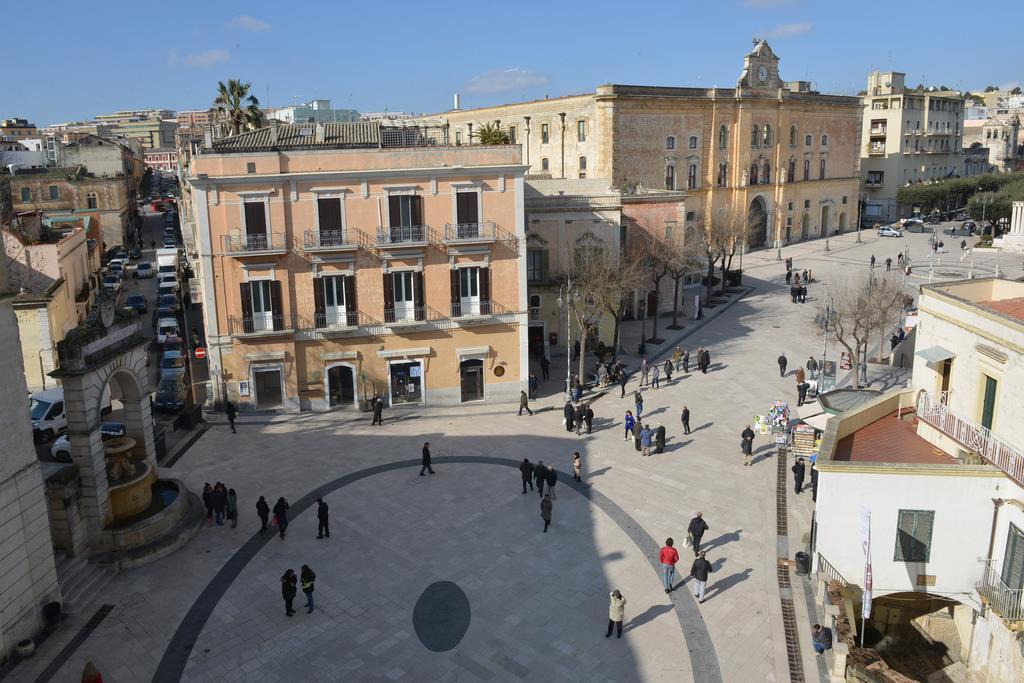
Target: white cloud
[(247, 23), (504, 80), (205, 59), (790, 30), (768, 4)]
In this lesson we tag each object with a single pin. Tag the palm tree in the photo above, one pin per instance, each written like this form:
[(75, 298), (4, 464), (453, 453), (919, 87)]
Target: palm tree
[(236, 108), (491, 134)]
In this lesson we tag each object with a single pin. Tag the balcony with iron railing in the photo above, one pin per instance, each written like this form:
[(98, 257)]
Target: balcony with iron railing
[(469, 232), (1005, 601), (255, 244), (933, 409), (345, 323), (413, 317), (485, 311), (268, 325), (873, 148), (331, 240), (403, 235)]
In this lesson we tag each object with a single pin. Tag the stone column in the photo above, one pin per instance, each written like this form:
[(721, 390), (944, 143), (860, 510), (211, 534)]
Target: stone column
[(138, 420), (82, 406)]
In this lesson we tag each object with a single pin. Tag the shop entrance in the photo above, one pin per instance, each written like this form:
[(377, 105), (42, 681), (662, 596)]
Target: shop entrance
[(406, 381), (341, 391), (472, 376), (267, 383)]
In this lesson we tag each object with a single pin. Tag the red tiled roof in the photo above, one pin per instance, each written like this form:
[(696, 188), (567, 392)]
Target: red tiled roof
[(1011, 308), (890, 440)]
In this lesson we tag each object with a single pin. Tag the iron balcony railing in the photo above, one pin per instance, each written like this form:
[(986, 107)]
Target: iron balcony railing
[(470, 232), (481, 308), (339, 319), (826, 569), (1005, 601), (412, 314), (327, 239), (933, 409), (402, 234), (254, 243), (260, 324)]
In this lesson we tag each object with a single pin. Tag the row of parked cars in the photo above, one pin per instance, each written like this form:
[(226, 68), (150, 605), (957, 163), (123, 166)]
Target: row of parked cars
[(172, 391), (917, 224)]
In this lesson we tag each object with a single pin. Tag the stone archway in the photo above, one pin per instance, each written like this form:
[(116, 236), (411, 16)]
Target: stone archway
[(826, 219), (757, 223), (805, 226)]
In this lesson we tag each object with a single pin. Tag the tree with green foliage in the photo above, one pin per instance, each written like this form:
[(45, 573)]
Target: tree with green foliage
[(491, 134), (991, 88), (237, 110)]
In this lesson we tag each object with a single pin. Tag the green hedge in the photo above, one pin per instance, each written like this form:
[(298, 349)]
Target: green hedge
[(952, 194)]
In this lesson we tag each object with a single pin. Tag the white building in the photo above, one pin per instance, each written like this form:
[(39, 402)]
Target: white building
[(316, 111), (941, 469), (17, 153), (908, 136)]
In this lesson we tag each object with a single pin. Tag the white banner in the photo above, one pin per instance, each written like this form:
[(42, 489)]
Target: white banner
[(865, 540)]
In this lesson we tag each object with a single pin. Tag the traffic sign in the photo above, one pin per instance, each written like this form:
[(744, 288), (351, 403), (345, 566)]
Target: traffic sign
[(200, 352), (845, 361)]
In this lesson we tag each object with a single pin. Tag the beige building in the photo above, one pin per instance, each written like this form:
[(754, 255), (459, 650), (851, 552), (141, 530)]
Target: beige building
[(51, 268), (769, 152), (340, 260), (908, 136), (1000, 136), (26, 551)]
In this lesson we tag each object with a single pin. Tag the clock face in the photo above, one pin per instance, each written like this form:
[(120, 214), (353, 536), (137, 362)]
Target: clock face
[(762, 73)]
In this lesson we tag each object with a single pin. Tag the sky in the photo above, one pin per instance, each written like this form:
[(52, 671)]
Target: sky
[(86, 59)]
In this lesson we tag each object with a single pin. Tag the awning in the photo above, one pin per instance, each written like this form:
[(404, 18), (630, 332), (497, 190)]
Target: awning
[(935, 354), (818, 421)]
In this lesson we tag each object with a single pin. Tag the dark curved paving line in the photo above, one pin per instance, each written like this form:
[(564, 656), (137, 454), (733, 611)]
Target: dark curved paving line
[(703, 659)]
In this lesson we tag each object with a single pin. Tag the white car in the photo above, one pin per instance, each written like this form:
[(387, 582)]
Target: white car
[(168, 281), (145, 270), (889, 231), (112, 283), (166, 327)]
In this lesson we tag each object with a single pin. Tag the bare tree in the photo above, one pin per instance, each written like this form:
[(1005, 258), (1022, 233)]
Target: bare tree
[(885, 297), (596, 281), (682, 256), (716, 236), (622, 276), (650, 253), (730, 235)]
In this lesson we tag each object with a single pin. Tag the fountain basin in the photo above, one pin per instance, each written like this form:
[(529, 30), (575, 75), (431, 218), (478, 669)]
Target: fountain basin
[(129, 499)]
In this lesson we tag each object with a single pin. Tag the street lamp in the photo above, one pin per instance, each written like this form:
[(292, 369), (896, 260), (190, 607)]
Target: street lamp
[(567, 289)]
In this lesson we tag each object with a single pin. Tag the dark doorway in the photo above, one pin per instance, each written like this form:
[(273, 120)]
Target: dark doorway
[(472, 373), (757, 223), (340, 386), (268, 388), (535, 337), (255, 218)]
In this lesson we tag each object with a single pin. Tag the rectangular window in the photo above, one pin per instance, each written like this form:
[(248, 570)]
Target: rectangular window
[(535, 259), (544, 136), (581, 131), (467, 208), (511, 135), (250, 167), (670, 177), (262, 309), (544, 166), (331, 301), (844, 199), (691, 176), (54, 192), (458, 137), (914, 535), (26, 194), (789, 207), (807, 141), (329, 211), (792, 170), (821, 169), (807, 203), (988, 403), (807, 169), (255, 218)]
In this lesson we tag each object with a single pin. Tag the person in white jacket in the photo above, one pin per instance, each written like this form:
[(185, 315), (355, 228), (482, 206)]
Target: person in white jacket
[(616, 611)]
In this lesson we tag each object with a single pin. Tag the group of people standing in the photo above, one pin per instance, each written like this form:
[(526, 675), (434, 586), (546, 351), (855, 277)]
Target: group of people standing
[(289, 588), (280, 514), (221, 504), (577, 416)]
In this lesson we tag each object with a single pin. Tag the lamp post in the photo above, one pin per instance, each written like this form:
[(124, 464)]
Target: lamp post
[(565, 301)]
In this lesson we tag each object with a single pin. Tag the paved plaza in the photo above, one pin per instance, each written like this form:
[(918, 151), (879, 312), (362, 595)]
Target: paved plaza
[(538, 603)]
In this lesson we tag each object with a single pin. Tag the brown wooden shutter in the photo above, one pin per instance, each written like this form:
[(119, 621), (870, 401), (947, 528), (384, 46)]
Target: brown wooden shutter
[(389, 295), (417, 295), (319, 306), (276, 305), (246, 293), (485, 284), (351, 305), (394, 211), (417, 209), (456, 308)]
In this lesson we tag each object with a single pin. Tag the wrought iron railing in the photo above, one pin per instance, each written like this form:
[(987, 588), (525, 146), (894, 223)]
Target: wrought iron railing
[(932, 409), (327, 239), (1005, 601), (467, 232), (534, 312), (483, 308), (826, 569), (331, 319), (413, 314), (260, 324), (256, 242), (402, 234)]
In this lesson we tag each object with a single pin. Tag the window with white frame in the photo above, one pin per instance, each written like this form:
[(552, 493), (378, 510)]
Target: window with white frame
[(670, 142), (692, 142)]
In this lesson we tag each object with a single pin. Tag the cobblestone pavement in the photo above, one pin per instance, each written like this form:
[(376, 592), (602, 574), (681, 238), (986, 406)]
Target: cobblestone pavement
[(538, 601)]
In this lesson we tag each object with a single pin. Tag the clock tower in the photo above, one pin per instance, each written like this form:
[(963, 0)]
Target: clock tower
[(760, 68)]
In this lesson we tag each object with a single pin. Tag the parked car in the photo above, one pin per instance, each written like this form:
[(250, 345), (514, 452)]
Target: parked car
[(965, 228), (170, 243), (172, 343), (168, 301), (46, 410), (168, 280), (889, 231), (136, 303), (172, 364), (115, 267), (933, 219), (165, 327), (61, 448), (145, 270), (112, 283), (135, 254), (905, 222), (171, 394)]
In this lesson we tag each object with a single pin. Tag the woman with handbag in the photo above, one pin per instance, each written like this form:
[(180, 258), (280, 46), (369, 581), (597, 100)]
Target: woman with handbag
[(281, 514)]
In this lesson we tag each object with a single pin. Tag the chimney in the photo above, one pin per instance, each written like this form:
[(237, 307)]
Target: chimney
[(456, 107), (319, 134), (208, 137), (273, 130)]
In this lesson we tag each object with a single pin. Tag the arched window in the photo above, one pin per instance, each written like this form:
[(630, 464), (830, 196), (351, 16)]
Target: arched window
[(583, 167), (824, 141), (755, 135), (693, 142), (90, 200), (753, 174), (792, 136), (670, 177), (723, 137), (767, 135), (766, 174), (544, 164), (670, 142)]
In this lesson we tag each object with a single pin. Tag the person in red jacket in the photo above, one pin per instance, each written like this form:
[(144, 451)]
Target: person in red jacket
[(669, 557)]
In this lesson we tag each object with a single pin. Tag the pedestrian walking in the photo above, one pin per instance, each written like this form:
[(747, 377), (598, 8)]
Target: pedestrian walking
[(426, 460), (638, 403), (705, 357), (789, 276), (669, 557), (545, 511), (801, 393), (699, 571), (90, 674), (616, 612), (524, 403), (577, 466), (263, 512), (748, 452), (540, 474), (645, 370), (551, 478), (281, 515), (578, 416), (872, 260), (378, 410), (677, 357), (526, 469), (545, 367), (656, 377), (622, 383), (888, 264), (821, 638), (686, 420), (803, 293), (232, 412), (668, 371), (576, 350), (588, 417), (812, 367), (232, 507), (289, 584), (208, 502), (646, 438), (629, 425), (899, 258), (220, 503), (533, 386), (798, 470), (748, 435), (659, 439), (307, 577), (568, 414), (323, 524), (695, 531), (800, 375), (577, 389), (686, 361), (782, 364)]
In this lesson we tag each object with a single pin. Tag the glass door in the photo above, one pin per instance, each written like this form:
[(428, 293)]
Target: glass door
[(404, 299), (262, 308), (334, 300), (469, 290)]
